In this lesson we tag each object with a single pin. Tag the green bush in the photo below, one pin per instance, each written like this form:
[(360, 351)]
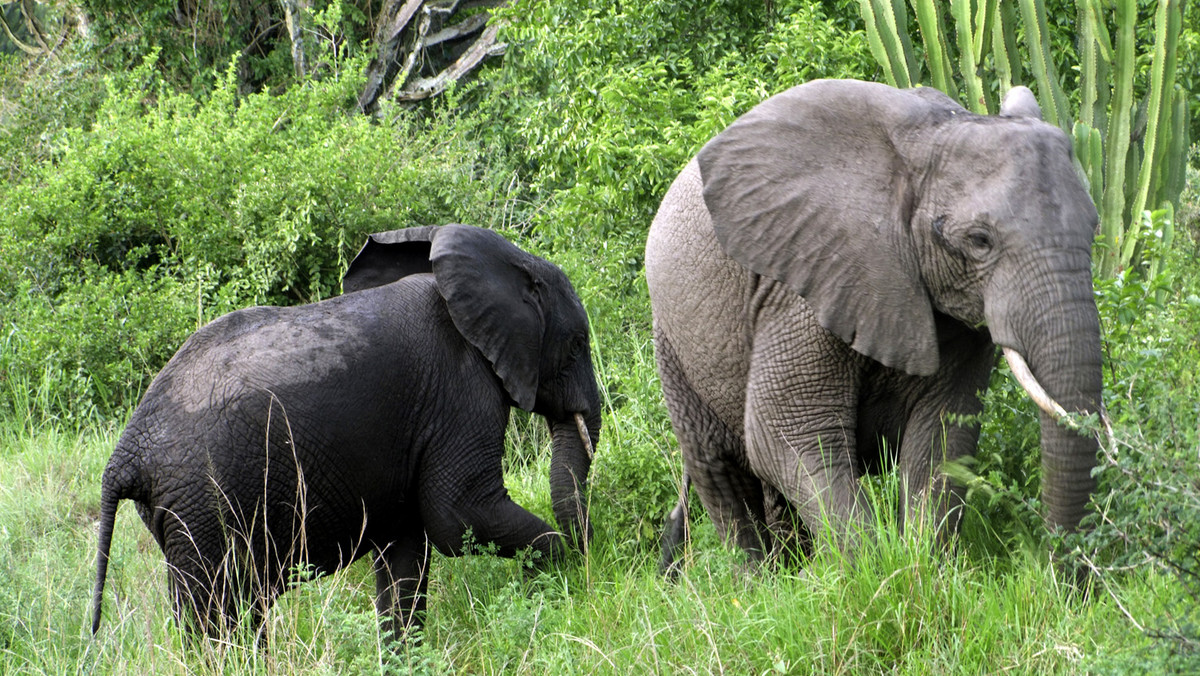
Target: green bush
[(197, 39), (1148, 504), (168, 212)]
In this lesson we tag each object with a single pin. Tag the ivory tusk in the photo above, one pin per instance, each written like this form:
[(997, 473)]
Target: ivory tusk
[(583, 435), (1035, 390)]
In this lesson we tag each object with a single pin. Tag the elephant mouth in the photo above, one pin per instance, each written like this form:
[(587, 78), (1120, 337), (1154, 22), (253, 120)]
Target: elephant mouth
[(1021, 371)]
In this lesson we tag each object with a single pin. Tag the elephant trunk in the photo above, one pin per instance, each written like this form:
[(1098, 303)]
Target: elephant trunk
[(1063, 375), (574, 441)]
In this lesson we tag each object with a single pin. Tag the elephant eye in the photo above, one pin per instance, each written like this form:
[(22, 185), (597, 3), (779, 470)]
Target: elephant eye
[(979, 240)]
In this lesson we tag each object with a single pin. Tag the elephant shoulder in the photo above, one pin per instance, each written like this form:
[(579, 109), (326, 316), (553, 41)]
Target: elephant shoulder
[(236, 323)]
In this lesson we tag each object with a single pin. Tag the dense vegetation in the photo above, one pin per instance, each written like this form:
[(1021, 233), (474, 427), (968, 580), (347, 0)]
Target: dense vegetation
[(151, 181)]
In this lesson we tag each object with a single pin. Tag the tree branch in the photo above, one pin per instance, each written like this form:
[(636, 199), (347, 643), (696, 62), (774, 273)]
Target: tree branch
[(473, 24), (403, 48), (28, 49), (394, 16), (484, 47), (31, 23)]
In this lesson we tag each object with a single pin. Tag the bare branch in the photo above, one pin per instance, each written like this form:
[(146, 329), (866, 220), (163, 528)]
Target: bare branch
[(32, 51), (394, 17), (473, 24), (402, 18), (28, 49), (293, 12), (484, 47), (410, 61), (403, 41), (31, 23)]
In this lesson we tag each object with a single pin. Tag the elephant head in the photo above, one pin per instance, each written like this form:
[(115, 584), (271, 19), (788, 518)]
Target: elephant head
[(523, 315), (886, 207)]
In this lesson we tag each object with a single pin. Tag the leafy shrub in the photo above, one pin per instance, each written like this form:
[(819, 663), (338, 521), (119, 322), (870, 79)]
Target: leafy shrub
[(168, 212), (197, 39), (1149, 496)]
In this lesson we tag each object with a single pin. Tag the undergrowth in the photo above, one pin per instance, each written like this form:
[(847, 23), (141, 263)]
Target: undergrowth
[(905, 606)]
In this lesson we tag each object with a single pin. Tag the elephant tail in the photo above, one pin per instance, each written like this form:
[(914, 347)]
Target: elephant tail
[(121, 480), (675, 532)]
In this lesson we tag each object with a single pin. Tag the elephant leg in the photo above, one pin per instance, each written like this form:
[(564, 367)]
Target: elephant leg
[(476, 504), (675, 531), (801, 417), (714, 459), (198, 584), (216, 576), (793, 540), (190, 598), (943, 427), (401, 582)]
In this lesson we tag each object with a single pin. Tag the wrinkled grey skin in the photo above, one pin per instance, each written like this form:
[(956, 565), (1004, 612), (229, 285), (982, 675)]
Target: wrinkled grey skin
[(830, 278), (369, 422)]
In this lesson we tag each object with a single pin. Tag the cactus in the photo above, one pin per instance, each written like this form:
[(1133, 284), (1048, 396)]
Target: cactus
[(1095, 54), (890, 46), (961, 9), (1178, 152), (1167, 31), (1089, 150), (929, 19), (1132, 183), (1004, 46), (1116, 145), (1054, 102)]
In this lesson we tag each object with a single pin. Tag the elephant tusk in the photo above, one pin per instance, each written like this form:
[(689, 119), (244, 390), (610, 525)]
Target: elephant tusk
[(1024, 376), (583, 435)]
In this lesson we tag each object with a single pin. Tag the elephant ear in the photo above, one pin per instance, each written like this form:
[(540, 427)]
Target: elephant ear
[(1020, 102), (813, 188), (490, 287), (388, 256)]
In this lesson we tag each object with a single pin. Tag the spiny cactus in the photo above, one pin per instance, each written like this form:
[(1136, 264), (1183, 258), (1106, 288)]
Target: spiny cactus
[(1134, 177), (887, 34)]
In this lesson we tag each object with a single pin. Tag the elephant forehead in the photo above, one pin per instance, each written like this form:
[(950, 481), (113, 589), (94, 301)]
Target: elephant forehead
[(1018, 150), (261, 348), (1009, 170)]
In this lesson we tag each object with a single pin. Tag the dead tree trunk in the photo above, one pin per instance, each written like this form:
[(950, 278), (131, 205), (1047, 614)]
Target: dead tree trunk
[(293, 14), (424, 45)]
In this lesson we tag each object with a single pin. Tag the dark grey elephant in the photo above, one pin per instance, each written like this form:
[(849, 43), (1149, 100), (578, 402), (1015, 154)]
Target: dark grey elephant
[(830, 278), (369, 422)]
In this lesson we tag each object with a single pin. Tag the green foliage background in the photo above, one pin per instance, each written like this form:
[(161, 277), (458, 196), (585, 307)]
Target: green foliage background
[(153, 209), (149, 185)]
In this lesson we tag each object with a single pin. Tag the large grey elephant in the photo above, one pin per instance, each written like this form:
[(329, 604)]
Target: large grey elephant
[(829, 279), (369, 422)]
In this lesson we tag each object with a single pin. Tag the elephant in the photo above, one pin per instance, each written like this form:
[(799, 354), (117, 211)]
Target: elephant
[(829, 279), (302, 438)]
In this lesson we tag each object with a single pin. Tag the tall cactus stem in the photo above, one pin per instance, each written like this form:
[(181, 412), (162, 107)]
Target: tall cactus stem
[(933, 36), (1004, 47), (1162, 86), (1177, 156), (961, 9), (1037, 38), (1117, 140), (1095, 55), (875, 39)]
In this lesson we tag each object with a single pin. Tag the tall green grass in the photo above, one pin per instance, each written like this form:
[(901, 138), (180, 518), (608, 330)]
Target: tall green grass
[(905, 606)]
